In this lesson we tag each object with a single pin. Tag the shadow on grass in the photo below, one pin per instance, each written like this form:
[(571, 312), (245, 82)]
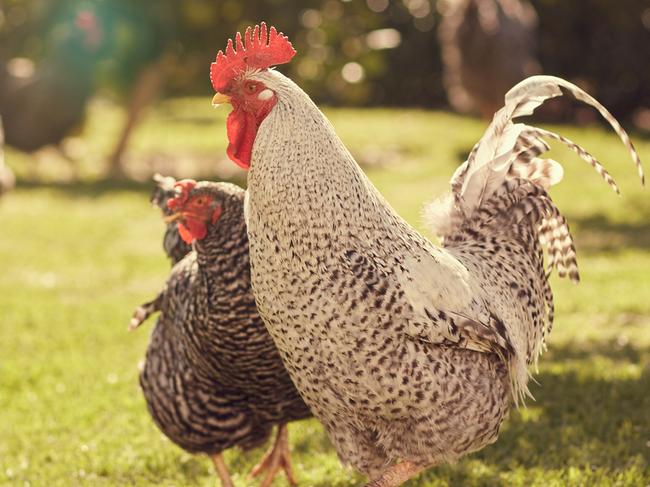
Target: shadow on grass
[(583, 417), (598, 233), (590, 413), (101, 187)]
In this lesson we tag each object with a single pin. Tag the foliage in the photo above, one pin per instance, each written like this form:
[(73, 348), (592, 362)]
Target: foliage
[(76, 258), (372, 52)]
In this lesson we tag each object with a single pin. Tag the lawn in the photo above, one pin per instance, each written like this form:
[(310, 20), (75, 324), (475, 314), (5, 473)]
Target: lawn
[(76, 257)]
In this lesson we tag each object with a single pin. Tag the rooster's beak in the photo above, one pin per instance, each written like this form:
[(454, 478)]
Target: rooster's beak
[(220, 99)]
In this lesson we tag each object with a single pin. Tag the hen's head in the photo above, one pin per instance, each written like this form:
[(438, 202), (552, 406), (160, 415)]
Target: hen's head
[(238, 77), (195, 208)]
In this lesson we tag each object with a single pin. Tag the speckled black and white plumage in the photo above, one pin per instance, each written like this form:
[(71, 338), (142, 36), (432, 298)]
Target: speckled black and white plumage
[(213, 378), (407, 352)]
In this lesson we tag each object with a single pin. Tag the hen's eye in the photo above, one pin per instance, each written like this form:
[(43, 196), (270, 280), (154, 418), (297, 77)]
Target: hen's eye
[(251, 88), (200, 201)]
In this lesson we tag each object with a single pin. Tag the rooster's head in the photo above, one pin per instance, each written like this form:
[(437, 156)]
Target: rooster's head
[(238, 78)]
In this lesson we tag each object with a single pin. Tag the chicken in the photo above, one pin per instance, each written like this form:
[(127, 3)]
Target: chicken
[(175, 247), (408, 353), (213, 378), (7, 178), (487, 47), (40, 105)]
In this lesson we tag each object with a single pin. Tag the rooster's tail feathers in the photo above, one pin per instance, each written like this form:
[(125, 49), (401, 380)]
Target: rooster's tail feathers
[(510, 150)]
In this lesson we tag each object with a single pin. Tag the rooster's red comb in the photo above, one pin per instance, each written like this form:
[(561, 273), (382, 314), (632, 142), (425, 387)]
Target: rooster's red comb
[(183, 187), (259, 50)]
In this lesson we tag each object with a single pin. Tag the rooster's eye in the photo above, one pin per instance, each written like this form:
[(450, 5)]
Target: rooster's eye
[(251, 88)]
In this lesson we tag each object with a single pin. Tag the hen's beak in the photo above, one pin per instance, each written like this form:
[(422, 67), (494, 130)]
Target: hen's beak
[(220, 99), (173, 217)]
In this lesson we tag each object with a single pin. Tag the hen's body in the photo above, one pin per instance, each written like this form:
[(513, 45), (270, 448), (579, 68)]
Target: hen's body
[(404, 350), (213, 378)]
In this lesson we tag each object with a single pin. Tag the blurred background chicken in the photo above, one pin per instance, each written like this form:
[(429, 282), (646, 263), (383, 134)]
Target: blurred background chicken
[(42, 103), (213, 378), (487, 47), (7, 178)]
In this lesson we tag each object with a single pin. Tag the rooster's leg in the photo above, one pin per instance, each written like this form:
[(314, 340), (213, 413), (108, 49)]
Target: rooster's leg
[(222, 470), (396, 475), (278, 457)]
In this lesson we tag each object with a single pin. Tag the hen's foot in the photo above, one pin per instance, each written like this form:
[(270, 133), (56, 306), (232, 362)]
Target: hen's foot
[(222, 470), (276, 459), (396, 475)]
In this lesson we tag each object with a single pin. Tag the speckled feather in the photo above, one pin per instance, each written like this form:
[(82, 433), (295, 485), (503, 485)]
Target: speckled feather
[(213, 378), (404, 350)]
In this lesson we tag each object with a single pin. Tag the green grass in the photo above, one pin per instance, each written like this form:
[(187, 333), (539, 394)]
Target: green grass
[(76, 257)]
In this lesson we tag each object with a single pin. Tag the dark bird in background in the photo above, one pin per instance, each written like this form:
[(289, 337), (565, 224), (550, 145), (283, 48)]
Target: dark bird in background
[(175, 247), (488, 46), (7, 179), (213, 378), (40, 104), (43, 102)]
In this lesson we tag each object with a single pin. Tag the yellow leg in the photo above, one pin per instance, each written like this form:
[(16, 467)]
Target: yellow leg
[(396, 475), (277, 458), (222, 470)]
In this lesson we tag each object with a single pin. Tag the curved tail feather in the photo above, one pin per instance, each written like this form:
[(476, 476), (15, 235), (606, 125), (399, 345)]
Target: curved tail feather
[(512, 150)]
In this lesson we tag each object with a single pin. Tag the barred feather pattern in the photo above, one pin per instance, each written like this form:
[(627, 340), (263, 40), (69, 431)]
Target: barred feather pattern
[(213, 378), (523, 210)]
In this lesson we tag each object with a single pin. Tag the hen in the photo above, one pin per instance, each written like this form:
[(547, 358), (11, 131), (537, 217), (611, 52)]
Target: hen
[(213, 378), (41, 104), (409, 353), (175, 247)]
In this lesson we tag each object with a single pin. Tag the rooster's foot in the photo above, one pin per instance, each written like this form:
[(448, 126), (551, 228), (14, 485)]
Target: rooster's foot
[(396, 475), (276, 459)]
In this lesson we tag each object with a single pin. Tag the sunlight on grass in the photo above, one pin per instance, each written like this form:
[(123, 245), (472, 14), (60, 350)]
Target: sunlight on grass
[(77, 258)]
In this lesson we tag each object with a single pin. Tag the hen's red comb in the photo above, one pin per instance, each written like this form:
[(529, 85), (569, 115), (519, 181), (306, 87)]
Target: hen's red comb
[(178, 201), (260, 50)]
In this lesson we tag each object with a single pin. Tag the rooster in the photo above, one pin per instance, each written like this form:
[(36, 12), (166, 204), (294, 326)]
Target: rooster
[(409, 353), (213, 378)]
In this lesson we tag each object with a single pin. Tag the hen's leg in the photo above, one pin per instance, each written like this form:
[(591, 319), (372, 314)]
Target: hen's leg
[(222, 470), (396, 475), (278, 457)]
